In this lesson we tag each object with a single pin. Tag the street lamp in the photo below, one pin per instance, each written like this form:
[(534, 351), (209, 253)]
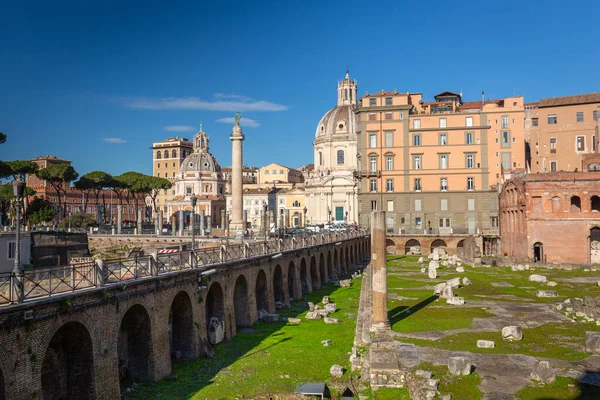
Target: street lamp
[(305, 217), (18, 191), (193, 201), (70, 214)]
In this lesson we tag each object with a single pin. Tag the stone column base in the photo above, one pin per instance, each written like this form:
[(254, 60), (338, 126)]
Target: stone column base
[(236, 227), (380, 327)]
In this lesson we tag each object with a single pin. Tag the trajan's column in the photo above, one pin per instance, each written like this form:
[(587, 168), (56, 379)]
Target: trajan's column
[(237, 190)]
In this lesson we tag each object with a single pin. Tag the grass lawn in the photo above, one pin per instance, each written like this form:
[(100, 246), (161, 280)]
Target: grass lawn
[(272, 358)]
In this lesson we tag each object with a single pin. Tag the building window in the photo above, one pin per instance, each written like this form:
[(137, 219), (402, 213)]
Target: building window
[(505, 122), (11, 250), (443, 161), (389, 163), (274, 172), (418, 221), (158, 174), (595, 115), (579, 116), (280, 172), (267, 171), (389, 185), (553, 145), (320, 158), (389, 139), (553, 166), (494, 222), (416, 124), (166, 153), (388, 101), (443, 184), (442, 122), (416, 162), (372, 116), (158, 155), (388, 115), (373, 205), (373, 164), (470, 160), (373, 187), (505, 139), (471, 204), (469, 121), (188, 190), (580, 143), (416, 140), (534, 122), (372, 102), (340, 157), (470, 183), (552, 119), (418, 205), (173, 154), (158, 166), (469, 138), (417, 184), (390, 205), (401, 115), (443, 139), (444, 204), (173, 165), (372, 140)]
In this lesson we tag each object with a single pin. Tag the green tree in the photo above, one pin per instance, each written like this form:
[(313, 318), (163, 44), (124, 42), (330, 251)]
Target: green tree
[(22, 168), (152, 185), (85, 186), (99, 180), (78, 220), (132, 180), (40, 210), (2, 138), (59, 176), (6, 197)]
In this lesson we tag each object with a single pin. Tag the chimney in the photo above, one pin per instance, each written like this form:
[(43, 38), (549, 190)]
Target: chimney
[(482, 98)]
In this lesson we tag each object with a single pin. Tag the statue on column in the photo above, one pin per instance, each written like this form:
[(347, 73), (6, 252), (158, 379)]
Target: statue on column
[(238, 117)]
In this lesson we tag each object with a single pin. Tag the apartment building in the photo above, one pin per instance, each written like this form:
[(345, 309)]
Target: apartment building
[(434, 166), (249, 176), (560, 130), (167, 156), (277, 173)]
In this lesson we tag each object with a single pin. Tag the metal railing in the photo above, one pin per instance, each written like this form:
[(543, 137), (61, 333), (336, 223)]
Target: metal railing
[(38, 283)]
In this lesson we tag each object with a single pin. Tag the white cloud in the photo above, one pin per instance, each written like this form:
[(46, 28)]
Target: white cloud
[(244, 122), (179, 128), (221, 102), (113, 140)]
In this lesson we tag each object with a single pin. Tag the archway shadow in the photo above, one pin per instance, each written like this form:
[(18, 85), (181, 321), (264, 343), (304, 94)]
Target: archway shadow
[(399, 313)]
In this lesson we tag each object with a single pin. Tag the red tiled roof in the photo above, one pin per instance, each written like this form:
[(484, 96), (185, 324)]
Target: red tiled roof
[(570, 100), (382, 94)]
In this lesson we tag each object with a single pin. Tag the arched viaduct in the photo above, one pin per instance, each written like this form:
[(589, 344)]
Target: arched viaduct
[(424, 244), (81, 345)]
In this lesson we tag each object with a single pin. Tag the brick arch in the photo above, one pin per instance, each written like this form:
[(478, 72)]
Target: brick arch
[(278, 287), (438, 243), (305, 277), (411, 245), (241, 301), (292, 281), (214, 302), (181, 321), (134, 344), (314, 273), (322, 270), (261, 292), (68, 364)]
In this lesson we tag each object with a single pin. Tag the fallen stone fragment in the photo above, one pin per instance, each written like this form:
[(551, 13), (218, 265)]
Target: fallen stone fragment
[(543, 372), (437, 289), (592, 342), (312, 315), (326, 342), (294, 320), (456, 301), (345, 283), (486, 344), (454, 282), (460, 269), (331, 320), (459, 366), (336, 370), (447, 292), (330, 307), (311, 306), (551, 284), (424, 374), (512, 332), (326, 300), (466, 281), (537, 278), (546, 293)]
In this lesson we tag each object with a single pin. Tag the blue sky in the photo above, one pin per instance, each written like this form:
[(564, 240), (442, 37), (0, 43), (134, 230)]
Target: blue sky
[(73, 74)]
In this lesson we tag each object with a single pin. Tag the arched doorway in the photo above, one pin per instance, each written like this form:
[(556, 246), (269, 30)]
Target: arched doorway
[(336, 264), (314, 278), (262, 294), (68, 366), (292, 281), (595, 245), (330, 267), (322, 269), (538, 252), (304, 277), (181, 327), (460, 248), (135, 345), (413, 246), (347, 258), (2, 387), (438, 244), (278, 284), (240, 302), (215, 308), (390, 246)]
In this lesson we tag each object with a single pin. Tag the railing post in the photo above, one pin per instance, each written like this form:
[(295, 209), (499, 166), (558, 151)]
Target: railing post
[(266, 248), (246, 250), (223, 253), (280, 244), (99, 272), (72, 276), (294, 243), (154, 264)]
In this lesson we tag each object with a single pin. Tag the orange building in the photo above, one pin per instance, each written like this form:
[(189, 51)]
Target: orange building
[(560, 130), (434, 166)]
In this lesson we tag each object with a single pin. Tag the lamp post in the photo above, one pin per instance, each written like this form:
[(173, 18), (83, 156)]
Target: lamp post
[(193, 201), (70, 221), (18, 191), (329, 213), (305, 217)]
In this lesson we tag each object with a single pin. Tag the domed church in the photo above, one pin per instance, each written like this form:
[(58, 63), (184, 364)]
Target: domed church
[(200, 175), (331, 189)]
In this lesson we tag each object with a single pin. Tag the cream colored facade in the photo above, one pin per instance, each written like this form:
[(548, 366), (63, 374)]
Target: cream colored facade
[(331, 187), (277, 173), (423, 161), (290, 207), (560, 130), (166, 163)]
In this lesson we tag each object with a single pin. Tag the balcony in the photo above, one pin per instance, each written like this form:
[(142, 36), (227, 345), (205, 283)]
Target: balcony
[(367, 174)]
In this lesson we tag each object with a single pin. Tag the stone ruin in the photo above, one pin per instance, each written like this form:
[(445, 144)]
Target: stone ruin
[(471, 252)]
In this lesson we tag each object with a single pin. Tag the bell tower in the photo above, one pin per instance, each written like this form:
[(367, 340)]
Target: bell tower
[(347, 90), (201, 141)]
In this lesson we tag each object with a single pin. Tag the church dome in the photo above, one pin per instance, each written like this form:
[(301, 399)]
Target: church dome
[(340, 120), (201, 160)]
